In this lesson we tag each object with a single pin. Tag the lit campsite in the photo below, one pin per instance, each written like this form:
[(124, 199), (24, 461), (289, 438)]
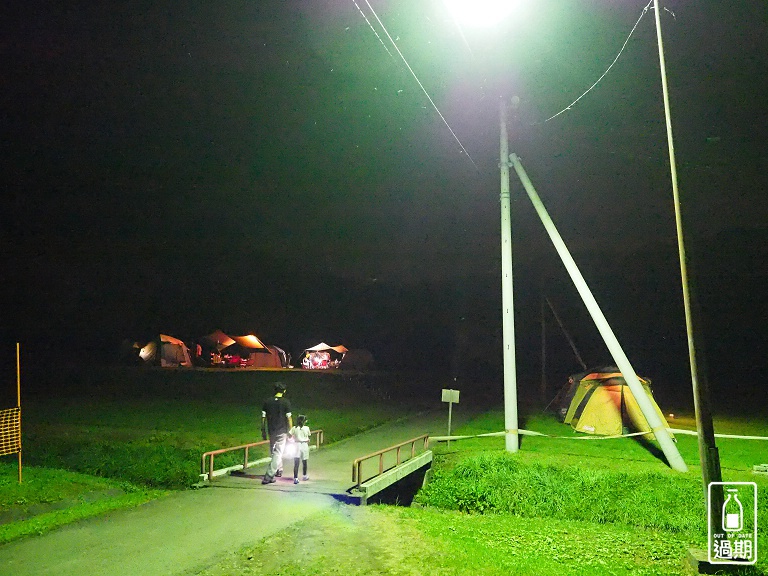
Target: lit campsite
[(361, 287)]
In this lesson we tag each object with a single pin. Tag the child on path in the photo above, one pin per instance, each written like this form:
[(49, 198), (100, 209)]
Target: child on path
[(301, 434)]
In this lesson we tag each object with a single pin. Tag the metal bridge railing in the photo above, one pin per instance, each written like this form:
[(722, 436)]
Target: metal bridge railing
[(209, 456), (357, 465)]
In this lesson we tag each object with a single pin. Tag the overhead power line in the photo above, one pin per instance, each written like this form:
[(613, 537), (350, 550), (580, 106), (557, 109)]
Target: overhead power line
[(645, 10), (423, 89), (373, 29)]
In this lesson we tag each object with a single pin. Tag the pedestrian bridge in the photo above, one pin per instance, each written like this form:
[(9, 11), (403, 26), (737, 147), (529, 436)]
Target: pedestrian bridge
[(392, 474), (408, 460)]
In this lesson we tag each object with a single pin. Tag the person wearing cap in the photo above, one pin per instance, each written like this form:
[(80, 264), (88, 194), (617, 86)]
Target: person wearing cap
[(275, 421)]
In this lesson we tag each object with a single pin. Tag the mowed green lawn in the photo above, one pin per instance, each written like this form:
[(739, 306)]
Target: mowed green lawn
[(569, 447), (49, 497), (382, 540)]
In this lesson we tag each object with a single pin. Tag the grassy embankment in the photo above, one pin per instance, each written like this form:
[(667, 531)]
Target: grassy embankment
[(110, 438), (558, 507)]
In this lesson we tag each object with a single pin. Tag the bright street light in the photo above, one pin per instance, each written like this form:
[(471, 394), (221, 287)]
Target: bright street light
[(480, 13), (487, 13)]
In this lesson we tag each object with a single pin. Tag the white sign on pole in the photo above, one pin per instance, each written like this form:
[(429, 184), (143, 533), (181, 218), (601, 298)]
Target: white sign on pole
[(450, 396)]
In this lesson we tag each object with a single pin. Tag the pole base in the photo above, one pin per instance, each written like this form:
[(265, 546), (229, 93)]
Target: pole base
[(699, 562)]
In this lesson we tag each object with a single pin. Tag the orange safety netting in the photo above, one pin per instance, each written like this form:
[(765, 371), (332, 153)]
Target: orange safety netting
[(10, 431)]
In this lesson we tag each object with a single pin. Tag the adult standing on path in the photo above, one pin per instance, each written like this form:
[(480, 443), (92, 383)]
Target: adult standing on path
[(276, 419)]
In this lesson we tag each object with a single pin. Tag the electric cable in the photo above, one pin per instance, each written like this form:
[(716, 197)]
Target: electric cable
[(645, 10), (423, 89), (372, 28)]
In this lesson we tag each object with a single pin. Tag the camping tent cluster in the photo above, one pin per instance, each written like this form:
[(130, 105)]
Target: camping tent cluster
[(216, 349), (600, 402)]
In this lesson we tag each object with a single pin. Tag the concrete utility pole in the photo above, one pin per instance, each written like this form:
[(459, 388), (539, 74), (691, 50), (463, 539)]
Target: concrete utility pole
[(708, 454), (511, 438)]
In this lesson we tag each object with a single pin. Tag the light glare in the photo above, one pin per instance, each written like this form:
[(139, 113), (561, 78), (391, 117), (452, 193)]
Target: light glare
[(480, 13)]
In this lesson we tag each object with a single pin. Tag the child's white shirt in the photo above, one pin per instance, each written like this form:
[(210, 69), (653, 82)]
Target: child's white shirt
[(300, 433)]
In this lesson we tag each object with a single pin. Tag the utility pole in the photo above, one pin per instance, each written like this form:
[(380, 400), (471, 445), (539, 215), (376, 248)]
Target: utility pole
[(543, 388), (511, 438), (708, 454)]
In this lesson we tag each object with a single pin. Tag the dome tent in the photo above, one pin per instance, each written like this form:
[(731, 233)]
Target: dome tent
[(602, 403), (166, 351)]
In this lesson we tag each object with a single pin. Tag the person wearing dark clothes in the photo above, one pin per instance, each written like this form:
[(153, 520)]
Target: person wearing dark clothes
[(275, 421)]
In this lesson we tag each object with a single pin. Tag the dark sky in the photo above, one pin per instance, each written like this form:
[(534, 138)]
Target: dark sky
[(267, 166)]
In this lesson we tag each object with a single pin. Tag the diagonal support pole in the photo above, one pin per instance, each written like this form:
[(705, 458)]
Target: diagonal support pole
[(658, 427)]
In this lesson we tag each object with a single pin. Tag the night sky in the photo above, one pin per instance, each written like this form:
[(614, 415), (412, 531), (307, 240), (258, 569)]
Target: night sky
[(268, 167)]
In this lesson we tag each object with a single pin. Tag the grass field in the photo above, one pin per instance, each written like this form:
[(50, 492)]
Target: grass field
[(432, 542), (150, 427), (569, 447), (559, 506)]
